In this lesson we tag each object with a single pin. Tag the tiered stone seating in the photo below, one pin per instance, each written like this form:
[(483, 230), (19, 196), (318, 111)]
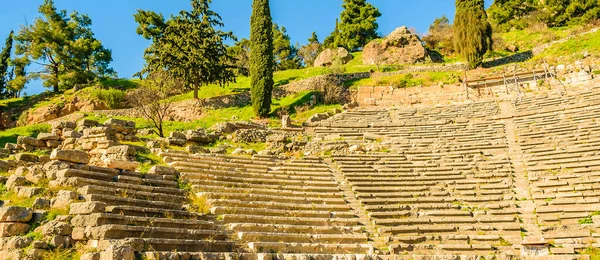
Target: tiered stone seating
[(145, 209), (275, 205), (447, 185), (561, 143)]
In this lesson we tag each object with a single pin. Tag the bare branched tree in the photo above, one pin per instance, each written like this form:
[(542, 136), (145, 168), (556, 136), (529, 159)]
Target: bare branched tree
[(152, 101)]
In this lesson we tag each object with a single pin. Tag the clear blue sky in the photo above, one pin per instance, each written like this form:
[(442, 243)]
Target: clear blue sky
[(113, 20)]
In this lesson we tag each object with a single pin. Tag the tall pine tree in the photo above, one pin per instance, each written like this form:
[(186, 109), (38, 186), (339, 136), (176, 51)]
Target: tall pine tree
[(65, 48), (261, 57), (4, 65), (472, 31), (358, 25)]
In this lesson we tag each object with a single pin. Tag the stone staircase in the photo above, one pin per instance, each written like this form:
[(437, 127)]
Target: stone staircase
[(143, 211)]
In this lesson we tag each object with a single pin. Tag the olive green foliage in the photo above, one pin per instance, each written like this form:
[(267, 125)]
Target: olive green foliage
[(440, 36), (241, 52), (512, 14), (506, 15), (472, 31), (357, 25), (285, 53), (5, 76), (570, 12), (65, 47), (188, 46), (309, 52), (261, 57)]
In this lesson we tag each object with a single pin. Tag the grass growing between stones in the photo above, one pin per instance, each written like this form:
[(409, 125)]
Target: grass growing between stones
[(147, 160), (588, 219), (593, 252), (10, 135)]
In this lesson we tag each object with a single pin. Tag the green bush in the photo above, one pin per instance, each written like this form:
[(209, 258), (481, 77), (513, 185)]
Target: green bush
[(112, 98)]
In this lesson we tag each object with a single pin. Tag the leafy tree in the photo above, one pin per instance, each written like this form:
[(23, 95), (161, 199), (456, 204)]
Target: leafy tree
[(440, 36), (187, 46), (241, 52), (261, 57), (313, 38), (358, 25), (472, 31), (329, 41), (309, 52), (285, 53), (4, 64), (64, 46), (508, 14), (150, 99), (568, 12)]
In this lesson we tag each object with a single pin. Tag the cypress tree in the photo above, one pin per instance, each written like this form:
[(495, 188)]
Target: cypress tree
[(4, 60), (261, 57), (472, 31)]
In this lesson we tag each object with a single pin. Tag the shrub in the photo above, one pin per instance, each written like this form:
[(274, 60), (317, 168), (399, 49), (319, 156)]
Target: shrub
[(112, 98)]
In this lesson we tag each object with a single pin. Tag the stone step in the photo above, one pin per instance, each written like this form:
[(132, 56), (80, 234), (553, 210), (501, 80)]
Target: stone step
[(234, 218), (147, 182), (452, 228), (277, 205), (274, 198), (139, 195), (302, 238), (112, 231), (265, 191), (99, 219), (152, 212), (179, 245), (268, 181), (282, 247), (241, 173), (115, 200), (234, 184), (282, 213), (302, 229), (80, 182)]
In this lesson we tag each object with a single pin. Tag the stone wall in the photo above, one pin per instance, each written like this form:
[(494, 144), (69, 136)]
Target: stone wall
[(452, 94)]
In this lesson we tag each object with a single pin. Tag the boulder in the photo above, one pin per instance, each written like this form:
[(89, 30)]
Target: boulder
[(63, 199), (163, 170), (48, 137), (13, 229), (121, 164), (200, 137), (328, 56), (15, 214), (72, 156), (4, 166), (56, 228), (28, 192), (123, 150), (399, 47), (30, 141), (26, 157), (41, 203), (87, 123), (196, 149), (14, 181)]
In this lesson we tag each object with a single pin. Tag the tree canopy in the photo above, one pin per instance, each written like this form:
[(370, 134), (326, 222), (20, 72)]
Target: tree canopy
[(356, 27), (285, 53), (5, 74), (261, 57), (472, 31), (188, 46), (65, 48)]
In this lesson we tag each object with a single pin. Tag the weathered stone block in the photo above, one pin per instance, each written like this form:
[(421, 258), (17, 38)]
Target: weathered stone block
[(13, 229), (163, 170), (15, 214), (73, 156), (48, 137), (25, 157), (85, 208), (26, 140)]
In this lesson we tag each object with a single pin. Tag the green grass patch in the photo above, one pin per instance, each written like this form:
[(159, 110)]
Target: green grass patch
[(406, 80), (147, 160), (10, 135), (111, 97), (588, 219), (574, 48)]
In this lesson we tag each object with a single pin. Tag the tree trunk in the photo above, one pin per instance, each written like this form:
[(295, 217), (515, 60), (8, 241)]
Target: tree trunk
[(56, 78), (195, 91)]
